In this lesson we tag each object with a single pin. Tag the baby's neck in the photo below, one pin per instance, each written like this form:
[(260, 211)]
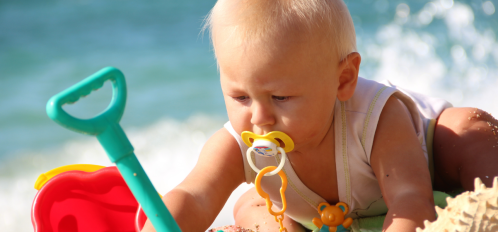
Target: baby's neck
[(316, 167), (316, 149)]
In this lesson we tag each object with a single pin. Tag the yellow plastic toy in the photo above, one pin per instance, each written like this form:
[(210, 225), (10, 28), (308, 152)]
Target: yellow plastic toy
[(44, 177), (266, 146), (332, 217)]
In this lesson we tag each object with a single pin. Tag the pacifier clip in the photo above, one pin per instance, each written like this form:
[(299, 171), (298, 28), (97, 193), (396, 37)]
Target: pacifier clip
[(266, 146)]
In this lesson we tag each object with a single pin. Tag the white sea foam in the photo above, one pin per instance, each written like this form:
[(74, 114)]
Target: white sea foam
[(407, 56), (167, 150)]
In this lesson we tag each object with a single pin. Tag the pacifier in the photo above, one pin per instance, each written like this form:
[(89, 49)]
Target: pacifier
[(268, 145)]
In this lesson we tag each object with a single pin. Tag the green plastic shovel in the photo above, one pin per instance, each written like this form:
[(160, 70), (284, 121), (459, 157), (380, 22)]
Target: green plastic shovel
[(112, 137)]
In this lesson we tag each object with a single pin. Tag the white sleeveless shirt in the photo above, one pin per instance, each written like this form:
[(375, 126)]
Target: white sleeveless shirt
[(355, 122)]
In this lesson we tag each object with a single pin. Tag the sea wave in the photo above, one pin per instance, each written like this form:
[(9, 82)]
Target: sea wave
[(458, 63)]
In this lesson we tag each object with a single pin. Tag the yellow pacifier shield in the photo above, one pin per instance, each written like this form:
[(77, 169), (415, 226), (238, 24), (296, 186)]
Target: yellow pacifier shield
[(272, 137)]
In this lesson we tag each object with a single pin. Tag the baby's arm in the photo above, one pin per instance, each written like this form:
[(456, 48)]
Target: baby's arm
[(400, 166), (196, 201)]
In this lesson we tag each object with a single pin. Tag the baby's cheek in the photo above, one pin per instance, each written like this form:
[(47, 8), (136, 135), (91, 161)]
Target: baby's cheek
[(240, 120)]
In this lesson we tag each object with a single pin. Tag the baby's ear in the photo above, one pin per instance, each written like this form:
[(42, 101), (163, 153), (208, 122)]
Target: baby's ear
[(348, 76)]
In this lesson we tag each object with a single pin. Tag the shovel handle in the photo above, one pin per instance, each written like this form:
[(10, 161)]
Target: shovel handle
[(111, 136), (96, 125)]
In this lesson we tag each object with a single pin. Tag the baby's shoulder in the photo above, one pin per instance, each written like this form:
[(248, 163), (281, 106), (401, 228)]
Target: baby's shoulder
[(222, 152), (221, 143), (368, 96)]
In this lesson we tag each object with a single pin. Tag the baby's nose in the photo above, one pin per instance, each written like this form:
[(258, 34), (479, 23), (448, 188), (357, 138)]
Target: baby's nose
[(262, 115)]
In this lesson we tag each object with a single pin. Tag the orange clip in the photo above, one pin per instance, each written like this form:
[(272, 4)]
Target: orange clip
[(265, 195)]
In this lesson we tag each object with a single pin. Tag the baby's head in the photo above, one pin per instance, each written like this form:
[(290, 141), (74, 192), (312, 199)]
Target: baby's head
[(274, 53), (249, 23)]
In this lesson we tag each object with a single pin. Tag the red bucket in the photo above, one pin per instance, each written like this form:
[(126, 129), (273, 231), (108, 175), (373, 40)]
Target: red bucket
[(80, 201)]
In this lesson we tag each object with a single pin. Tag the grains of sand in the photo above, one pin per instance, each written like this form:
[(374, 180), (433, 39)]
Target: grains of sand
[(230, 229)]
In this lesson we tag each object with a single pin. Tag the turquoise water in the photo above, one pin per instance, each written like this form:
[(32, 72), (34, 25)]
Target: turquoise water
[(442, 48), (48, 46)]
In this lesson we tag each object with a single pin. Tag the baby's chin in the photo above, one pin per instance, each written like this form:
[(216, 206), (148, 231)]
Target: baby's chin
[(230, 229)]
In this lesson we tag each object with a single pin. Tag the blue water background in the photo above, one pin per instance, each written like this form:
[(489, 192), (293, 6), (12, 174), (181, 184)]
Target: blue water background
[(46, 46)]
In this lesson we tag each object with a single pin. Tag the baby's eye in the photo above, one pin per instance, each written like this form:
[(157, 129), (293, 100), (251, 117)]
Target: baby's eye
[(241, 98), (280, 98)]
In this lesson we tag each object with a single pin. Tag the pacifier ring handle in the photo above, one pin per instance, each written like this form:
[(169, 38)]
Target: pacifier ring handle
[(257, 170)]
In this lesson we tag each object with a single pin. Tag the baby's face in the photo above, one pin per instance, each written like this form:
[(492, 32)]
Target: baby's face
[(291, 87)]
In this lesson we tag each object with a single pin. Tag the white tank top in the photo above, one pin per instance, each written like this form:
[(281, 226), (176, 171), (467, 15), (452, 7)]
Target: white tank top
[(355, 122)]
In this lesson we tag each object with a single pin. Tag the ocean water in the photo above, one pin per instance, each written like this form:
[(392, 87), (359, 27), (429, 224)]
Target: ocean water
[(442, 48)]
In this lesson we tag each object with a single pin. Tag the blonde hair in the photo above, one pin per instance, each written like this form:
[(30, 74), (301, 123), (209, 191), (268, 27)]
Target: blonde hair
[(253, 20)]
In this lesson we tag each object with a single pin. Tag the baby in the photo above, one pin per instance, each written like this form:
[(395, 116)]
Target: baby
[(292, 66)]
